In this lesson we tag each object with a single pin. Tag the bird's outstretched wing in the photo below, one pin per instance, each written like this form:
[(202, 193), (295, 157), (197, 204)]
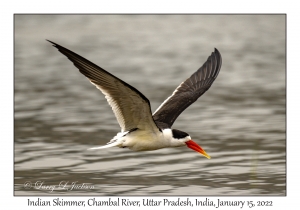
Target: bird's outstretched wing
[(188, 91), (131, 108)]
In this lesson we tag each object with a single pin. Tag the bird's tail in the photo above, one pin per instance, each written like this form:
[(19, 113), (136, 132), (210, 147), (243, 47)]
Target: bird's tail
[(116, 143)]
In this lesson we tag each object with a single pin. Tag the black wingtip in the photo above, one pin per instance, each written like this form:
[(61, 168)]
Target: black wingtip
[(54, 44), (217, 51), (219, 61), (218, 54)]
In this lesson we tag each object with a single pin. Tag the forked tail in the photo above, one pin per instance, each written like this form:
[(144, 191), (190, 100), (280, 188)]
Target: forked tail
[(116, 143)]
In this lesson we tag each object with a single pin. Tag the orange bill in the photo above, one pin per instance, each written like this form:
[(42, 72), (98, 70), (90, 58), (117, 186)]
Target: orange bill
[(194, 146)]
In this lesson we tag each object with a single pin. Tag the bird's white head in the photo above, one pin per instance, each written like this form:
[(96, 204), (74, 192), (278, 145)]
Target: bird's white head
[(185, 138)]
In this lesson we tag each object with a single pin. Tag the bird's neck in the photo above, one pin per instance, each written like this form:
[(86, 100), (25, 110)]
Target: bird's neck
[(169, 140)]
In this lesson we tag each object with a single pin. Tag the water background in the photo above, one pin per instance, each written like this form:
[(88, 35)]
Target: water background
[(240, 121)]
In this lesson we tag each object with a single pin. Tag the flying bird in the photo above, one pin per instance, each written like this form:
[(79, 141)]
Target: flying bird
[(140, 130)]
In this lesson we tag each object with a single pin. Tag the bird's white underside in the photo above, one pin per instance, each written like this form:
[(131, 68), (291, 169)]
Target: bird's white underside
[(145, 140)]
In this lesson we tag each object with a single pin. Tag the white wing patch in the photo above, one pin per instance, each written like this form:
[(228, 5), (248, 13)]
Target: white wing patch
[(168, 98), (130, 110)]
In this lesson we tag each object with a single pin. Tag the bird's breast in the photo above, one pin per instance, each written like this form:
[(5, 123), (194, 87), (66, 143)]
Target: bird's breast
[(144, 140)]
